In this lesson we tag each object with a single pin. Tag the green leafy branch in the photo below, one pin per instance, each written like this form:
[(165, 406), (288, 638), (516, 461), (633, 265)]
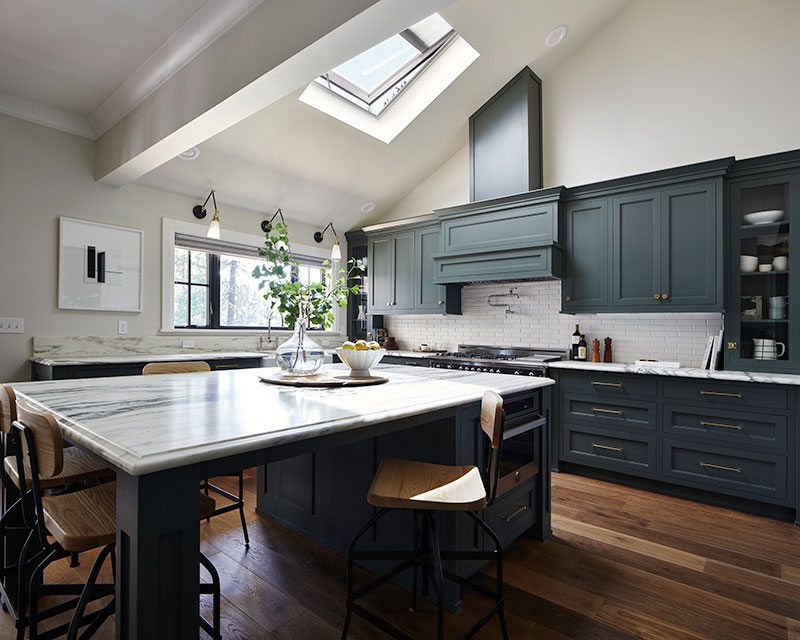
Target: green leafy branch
[(293, 299)]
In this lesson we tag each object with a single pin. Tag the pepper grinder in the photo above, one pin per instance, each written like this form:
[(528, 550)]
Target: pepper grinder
[(607, 355), (595, 350)]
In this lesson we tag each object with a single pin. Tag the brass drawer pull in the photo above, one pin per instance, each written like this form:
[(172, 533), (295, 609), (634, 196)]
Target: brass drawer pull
[(719, 393), (703, 423), (603, 446), (608, 384), (616, 411), (719, 466), (515, 514), (226, 366)]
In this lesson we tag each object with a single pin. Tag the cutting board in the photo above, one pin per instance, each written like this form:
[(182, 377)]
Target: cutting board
[(322, 381)]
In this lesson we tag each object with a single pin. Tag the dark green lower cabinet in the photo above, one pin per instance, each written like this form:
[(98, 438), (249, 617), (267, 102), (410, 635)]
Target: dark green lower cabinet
[(727, 443)]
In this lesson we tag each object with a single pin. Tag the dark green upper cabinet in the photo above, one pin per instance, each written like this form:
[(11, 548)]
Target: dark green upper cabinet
[(769, 183), (427, 295), (585, 283), (646, 243), (691, 247), (505, 140), (636, 250), (401, 273)]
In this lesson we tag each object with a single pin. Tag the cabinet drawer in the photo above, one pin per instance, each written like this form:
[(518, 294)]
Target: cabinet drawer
[(512, 513), (614, 450), (731, 428), (725, 394), (726, 470), (612, 412), (610, 385)]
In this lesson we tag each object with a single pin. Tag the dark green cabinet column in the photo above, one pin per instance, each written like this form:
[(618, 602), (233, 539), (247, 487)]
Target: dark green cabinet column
[(636, 249), (428, 295), (404, 271), (691, 260), (585, 283), (381, 278)]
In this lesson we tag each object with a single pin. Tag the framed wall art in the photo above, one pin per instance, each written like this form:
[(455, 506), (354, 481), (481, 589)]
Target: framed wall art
[(99, 266)]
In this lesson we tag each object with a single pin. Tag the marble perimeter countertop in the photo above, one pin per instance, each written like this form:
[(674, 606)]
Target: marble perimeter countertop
[(681, 372), (143, 424)]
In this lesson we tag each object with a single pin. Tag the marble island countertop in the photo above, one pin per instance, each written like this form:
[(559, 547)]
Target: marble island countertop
[(143, 424), (681, 372)]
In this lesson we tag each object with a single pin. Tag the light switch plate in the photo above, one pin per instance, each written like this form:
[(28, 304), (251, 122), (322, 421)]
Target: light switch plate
[(122, 327), (187, 344), (12, 325)]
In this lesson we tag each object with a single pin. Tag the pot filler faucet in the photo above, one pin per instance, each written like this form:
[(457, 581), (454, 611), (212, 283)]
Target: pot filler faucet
[(510, 294)]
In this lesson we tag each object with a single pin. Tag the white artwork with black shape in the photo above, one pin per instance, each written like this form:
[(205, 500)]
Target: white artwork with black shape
[(99, 267)]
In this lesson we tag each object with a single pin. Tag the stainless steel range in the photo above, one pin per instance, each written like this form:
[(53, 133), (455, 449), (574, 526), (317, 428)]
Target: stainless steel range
[(510, 360)]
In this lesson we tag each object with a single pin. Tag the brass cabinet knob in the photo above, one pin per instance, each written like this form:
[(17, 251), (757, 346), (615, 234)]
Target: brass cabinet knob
[(663, 296), (655, 296), (440, 301), (388, 304), (567, 298), (732, 345)]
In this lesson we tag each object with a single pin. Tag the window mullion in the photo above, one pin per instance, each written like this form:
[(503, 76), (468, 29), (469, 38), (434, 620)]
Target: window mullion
[(213, 291)]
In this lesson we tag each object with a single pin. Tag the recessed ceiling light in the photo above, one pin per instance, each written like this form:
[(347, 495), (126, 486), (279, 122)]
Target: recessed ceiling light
[(556, 36), (190, 154), (368, 207)]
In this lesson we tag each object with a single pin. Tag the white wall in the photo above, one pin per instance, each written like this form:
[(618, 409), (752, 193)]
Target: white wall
[(670, 83), (45, 174)]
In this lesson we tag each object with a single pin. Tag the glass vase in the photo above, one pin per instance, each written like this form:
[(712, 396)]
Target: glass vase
[(300, 355)]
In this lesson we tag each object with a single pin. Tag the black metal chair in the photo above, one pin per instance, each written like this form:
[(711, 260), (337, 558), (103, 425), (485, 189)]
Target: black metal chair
[(426, 488), (77, 522)]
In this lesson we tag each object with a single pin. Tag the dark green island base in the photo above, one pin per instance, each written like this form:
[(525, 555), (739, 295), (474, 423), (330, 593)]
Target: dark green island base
[(323, 495)]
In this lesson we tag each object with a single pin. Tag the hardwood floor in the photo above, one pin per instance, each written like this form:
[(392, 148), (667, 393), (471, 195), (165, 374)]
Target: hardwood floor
[(622, 564)]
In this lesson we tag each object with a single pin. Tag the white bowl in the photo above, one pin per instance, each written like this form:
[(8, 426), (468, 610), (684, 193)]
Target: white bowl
[(360, 362), (748, 264), (763, 268), (764, 217), (780, 263)]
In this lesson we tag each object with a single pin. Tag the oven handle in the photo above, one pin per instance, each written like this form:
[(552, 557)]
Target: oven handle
[(538, 421)]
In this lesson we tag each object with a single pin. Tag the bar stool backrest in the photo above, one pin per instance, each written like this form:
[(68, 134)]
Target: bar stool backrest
[(41, 432), (493, 420), (8, 408), (197, 366)]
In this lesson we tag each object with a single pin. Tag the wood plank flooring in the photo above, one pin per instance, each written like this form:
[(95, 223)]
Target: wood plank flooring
[(622, 564)]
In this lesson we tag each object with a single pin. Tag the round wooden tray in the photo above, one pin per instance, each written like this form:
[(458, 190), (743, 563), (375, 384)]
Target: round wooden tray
[(321, 380)]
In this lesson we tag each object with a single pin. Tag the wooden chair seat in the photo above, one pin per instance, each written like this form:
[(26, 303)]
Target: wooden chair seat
[(407, 484), (87, 519), (79, 465)]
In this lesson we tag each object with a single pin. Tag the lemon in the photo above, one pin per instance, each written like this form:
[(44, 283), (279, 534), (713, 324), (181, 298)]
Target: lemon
[(373, 345), (348, 345), (361, 345)]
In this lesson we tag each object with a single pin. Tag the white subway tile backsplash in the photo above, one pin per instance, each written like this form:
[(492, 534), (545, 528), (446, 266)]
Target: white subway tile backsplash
[(536, 322)]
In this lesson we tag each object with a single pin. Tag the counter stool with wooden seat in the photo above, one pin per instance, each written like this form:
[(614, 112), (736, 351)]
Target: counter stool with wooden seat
[(79, 468), (425, 488), (80, 521), (236, 502)]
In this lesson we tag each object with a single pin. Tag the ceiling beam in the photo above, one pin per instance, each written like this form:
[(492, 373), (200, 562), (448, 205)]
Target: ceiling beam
[(280, 47)]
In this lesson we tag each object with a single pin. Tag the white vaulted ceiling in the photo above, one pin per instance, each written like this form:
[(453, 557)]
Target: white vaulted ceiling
[(87, 65)]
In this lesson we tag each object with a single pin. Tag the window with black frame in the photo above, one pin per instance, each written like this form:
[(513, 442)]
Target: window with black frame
[(215, 289)]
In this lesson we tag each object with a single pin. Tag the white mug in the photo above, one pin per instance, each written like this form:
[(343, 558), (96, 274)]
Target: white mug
[(766, 349)]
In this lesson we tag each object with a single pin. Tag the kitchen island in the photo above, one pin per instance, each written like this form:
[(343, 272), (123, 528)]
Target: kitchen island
[(162, 434)]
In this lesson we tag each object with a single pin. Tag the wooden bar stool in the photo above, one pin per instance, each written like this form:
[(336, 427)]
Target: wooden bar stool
[(424, 488), (79, 468), (235, 501), (77, 522)]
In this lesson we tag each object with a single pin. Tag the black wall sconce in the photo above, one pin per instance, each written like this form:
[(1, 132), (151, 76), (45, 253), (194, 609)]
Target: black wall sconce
[(199, 212), (266, 225), (336, 251)]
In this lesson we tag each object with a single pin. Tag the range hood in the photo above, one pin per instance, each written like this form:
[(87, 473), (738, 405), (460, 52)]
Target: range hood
[(503, 239), (509, 231)]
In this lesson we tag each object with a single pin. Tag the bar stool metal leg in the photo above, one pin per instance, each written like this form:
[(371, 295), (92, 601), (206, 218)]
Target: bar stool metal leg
[(438, 576), (415, 543)]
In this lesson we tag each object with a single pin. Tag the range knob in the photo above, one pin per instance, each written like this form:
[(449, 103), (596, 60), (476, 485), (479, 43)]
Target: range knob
[(461, 368), (532, 374), (516, 373)]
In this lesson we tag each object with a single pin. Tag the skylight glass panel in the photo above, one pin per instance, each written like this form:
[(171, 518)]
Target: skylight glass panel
[(371, 69)]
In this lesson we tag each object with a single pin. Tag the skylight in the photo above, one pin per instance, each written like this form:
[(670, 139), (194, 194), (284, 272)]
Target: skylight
[(375, 77)]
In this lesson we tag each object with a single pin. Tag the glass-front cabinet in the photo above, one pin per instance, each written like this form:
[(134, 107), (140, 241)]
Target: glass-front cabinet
[(762, 323)]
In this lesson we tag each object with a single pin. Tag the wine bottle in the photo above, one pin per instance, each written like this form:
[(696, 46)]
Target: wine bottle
[(576, 338), (582, 349)]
